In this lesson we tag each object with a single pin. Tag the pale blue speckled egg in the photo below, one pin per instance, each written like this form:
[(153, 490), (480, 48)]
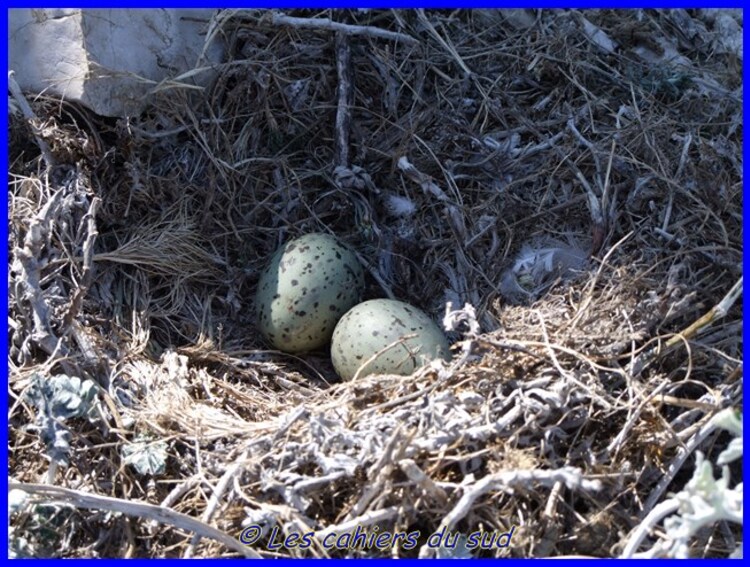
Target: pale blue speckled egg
[(308, 285), (372, 326)]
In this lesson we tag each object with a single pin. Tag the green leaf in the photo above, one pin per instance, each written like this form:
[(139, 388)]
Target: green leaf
[(146, 457), (72, 397), (56, 399), (62, 396)]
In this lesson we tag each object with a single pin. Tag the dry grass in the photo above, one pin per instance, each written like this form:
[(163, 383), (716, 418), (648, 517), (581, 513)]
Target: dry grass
[(134, 260)]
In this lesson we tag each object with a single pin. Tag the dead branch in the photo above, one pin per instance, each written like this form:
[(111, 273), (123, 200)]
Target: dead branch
[(32, 120), (348, 29), (345, 91), (57, 495)]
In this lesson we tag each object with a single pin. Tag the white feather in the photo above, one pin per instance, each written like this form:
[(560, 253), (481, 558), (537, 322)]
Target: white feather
[(538, 265), (400, 206)]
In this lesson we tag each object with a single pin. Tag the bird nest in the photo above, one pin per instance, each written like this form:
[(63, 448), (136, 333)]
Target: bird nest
[(561, 189)]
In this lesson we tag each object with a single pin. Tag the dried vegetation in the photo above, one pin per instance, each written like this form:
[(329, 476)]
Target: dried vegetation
[(437, 152)]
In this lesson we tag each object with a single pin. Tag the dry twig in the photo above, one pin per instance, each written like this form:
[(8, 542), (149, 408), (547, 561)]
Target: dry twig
[(57, 495), (348, 29)]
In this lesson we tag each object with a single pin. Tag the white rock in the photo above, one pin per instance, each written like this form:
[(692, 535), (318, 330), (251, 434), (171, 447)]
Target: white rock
[(109, 59)]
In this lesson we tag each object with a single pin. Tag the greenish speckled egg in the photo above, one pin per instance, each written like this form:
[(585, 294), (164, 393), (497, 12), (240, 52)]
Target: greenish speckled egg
[(308, 285), (373, 325)]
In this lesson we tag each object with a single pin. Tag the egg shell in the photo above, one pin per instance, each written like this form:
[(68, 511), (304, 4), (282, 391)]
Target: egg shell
[(373, 325), (309, 283)]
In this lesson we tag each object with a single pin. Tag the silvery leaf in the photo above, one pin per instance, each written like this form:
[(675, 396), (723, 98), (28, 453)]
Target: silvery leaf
[(146, 457)]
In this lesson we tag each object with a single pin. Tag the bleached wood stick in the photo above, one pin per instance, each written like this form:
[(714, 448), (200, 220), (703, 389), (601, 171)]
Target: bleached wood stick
[(344, 95), (349, 29), (78, 499), (31, 118)]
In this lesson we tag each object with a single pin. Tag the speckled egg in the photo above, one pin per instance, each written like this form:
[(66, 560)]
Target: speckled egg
[(308, 285), (373, 325)]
